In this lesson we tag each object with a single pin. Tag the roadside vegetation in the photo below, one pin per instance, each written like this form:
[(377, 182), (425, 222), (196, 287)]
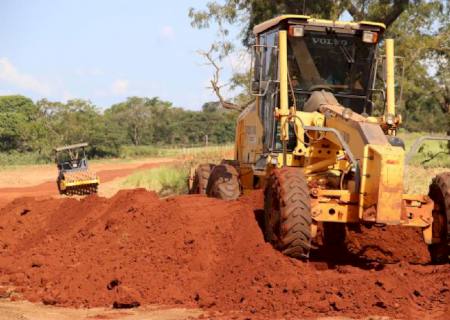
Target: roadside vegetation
[(432, 154), (165, 180), (143, 127), (146, 126), (170, 179), (432, 159), (137, 127)]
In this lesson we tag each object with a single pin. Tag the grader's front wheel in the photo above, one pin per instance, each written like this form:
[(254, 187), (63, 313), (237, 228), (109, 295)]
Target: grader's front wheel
[(287, 212), (440, 193)]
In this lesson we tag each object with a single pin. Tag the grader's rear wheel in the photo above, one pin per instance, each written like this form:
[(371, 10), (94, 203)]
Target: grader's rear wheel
[(224, 183), (287, 212), (440, 193), (200, 179)]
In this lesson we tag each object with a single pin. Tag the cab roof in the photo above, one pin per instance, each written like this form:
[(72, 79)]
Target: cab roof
[(260, 28)]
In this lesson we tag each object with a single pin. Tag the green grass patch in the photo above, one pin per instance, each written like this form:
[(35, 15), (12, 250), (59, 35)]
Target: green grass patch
[(171, 180), (432, 154), (165, 180)]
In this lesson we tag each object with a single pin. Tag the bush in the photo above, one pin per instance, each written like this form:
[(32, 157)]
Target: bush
[(18, 158)]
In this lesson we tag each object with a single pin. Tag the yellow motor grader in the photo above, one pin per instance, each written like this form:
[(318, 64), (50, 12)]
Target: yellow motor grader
[(312, 143), (74, 176)]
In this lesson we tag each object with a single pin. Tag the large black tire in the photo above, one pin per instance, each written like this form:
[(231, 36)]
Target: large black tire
[(287, 212), (224, 183), (201, 177), (440, 194)]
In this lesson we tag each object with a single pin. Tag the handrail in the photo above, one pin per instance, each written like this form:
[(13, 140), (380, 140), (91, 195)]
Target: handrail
[(419, 142)]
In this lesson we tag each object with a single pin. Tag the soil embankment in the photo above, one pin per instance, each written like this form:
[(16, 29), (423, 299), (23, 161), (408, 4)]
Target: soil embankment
[(136, 249)]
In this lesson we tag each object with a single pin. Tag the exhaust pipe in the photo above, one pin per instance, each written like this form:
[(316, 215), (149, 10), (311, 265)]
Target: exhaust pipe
[(390, 82)]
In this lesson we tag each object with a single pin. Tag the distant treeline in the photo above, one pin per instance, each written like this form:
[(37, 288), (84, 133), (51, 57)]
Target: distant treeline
[(38, 127), (30, 130)]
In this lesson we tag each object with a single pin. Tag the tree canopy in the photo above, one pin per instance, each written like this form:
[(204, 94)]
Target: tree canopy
[(420, 28), (39, 127), (249, 13)]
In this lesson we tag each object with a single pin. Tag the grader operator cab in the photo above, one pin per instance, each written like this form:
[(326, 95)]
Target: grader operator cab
[(74, 176), (311, 142)]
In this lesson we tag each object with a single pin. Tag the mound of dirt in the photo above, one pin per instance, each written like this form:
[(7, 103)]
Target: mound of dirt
[(136, 249)]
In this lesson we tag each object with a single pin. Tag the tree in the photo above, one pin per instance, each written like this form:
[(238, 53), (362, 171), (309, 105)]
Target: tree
[(143, 120), (216, 85), (422, 37), (16, 115), (74, 122), (133, 116), (252, 12), (211, 106), (39, 127), (420, 27)]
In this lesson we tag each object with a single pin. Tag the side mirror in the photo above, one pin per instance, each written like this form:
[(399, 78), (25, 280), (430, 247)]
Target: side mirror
[(261, 63), (256, 69)]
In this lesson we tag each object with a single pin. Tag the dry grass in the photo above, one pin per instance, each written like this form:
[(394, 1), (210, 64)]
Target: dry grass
[(173, 179), (432, 154), (433, 158), (418, 179), (169, 179), (165, 180)]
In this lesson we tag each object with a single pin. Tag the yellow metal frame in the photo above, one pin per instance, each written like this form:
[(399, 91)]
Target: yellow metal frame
[(390, 83), (380, 198), (283, 111), (275, 21)]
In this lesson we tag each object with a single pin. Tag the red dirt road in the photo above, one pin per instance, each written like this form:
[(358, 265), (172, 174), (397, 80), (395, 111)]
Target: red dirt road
[(49, 189), (192, 251)]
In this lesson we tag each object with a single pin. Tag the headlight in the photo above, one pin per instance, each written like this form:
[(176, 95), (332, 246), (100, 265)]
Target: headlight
[(347, 113), (296, 31), (390, 119), (370, 37)]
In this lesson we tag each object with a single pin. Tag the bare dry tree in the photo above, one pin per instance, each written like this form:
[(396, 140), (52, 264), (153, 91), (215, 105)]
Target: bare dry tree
[(216, 86)]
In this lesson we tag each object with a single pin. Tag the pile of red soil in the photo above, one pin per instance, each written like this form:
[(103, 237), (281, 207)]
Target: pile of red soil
[(135, 249)]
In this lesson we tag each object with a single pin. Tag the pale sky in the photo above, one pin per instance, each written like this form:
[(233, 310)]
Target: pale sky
[(105, 51)]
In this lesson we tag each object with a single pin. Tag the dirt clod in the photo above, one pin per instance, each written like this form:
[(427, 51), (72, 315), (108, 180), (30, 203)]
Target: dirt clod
[(136, 249), (114, 283), (24, 212)]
